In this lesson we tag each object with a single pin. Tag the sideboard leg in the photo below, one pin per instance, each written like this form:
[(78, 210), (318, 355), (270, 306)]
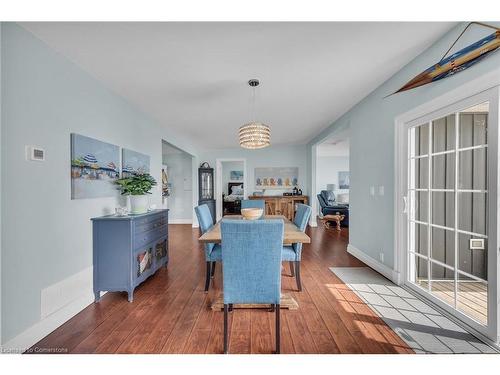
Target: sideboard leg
[(97, 296), (131, 296)]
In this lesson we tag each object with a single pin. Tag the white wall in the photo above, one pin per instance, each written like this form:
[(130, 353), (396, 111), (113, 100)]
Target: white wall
[(46, 236), (327, 172), (180, 201), (273, 156), (227, 167), (372, 138), (1, 196)]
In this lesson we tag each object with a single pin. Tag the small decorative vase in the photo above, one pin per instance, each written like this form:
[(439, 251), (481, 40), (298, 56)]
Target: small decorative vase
[(139, 204)]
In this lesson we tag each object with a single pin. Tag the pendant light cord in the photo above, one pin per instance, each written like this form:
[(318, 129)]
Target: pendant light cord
[(253, 103)]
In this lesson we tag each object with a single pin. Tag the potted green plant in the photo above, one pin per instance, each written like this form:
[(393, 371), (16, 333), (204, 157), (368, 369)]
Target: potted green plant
[(137, 187)]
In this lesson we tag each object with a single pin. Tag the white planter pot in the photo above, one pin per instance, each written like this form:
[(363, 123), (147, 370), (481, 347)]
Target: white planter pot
[(139, 204)]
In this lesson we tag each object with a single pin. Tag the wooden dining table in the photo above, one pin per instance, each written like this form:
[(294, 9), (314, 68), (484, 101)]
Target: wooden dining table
[(292, 234)]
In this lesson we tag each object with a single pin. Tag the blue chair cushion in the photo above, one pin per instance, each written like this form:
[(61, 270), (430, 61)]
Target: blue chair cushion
[(216, 253), (288, 254)]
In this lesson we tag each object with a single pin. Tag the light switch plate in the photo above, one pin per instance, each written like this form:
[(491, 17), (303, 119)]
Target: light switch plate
[(372, 190), (381, 190)]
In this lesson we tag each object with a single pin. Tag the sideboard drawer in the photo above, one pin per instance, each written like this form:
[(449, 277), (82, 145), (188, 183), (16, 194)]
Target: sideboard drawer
[(148, 219), (153, 223), (145, 238)]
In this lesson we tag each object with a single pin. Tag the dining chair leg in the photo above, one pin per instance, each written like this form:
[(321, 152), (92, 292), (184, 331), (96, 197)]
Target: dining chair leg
[(292, 271), (297, 275), (212, 273), (225, 328), (278, 328), (207, 280)]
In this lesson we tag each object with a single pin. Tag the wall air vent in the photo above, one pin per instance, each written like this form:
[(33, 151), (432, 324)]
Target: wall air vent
[(476, 244), (35, 153)]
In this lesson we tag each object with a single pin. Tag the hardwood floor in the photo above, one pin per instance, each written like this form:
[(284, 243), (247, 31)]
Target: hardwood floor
[(171, 313)]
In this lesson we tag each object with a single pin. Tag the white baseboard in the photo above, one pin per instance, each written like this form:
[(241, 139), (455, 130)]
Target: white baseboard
[(381, 268), (56, 296), (180, 221), (39, 330), (58, 303)]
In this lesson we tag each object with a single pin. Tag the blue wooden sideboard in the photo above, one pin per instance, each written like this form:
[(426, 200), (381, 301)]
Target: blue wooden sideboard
[(127, 250)]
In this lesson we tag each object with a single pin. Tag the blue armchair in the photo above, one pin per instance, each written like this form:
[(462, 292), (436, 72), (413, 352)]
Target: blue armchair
[(293, 253), (329, 206), (213, 251), (251, 257), (254, 203)]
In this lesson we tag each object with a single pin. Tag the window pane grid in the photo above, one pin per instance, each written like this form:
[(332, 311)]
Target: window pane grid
[(463, 273), (444, 180), (448, 228), (418, 157)]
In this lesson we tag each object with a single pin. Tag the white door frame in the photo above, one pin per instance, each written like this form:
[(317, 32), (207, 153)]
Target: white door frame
[(457, 99), (218, 182), (314, 202), (313, 165)]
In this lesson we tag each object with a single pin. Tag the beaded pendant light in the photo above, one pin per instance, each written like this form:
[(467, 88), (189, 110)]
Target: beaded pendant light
[(254, 135)]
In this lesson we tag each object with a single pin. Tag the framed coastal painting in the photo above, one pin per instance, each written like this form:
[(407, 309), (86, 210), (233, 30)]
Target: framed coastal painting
[(94, 167), (134, 163), (276, 177), (236, 175), (344, 180)]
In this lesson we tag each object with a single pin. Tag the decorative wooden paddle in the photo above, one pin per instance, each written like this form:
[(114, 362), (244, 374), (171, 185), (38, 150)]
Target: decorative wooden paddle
[(457, 62)]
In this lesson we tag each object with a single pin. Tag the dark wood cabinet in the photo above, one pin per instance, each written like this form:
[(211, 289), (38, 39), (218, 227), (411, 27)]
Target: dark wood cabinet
[(206, 189), (232, 207)]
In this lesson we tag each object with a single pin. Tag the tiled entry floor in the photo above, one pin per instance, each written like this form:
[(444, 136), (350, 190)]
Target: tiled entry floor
[(424, 329)]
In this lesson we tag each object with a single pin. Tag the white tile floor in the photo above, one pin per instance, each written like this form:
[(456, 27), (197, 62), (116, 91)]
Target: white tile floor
[(423, 328)]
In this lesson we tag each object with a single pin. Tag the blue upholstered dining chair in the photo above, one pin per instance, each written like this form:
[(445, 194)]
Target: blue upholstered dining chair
[(254, 203), (213, 252), (251, 261), (293, 253)]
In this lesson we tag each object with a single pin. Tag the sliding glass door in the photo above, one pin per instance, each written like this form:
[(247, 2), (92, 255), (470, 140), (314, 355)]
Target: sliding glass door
[(449, 216)]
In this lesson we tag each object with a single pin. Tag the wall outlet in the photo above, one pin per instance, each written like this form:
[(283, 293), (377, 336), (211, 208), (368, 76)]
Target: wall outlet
[(381, 256)]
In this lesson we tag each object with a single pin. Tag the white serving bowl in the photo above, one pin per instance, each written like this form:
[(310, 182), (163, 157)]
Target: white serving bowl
[(251, 213)]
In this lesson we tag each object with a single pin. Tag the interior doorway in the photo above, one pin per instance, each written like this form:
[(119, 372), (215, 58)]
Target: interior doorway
[(332, 179), (230, 186), (177, 184)]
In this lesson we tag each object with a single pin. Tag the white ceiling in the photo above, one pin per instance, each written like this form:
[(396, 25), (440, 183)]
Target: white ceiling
[(335, 145), (169, 149), (192, 77)]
